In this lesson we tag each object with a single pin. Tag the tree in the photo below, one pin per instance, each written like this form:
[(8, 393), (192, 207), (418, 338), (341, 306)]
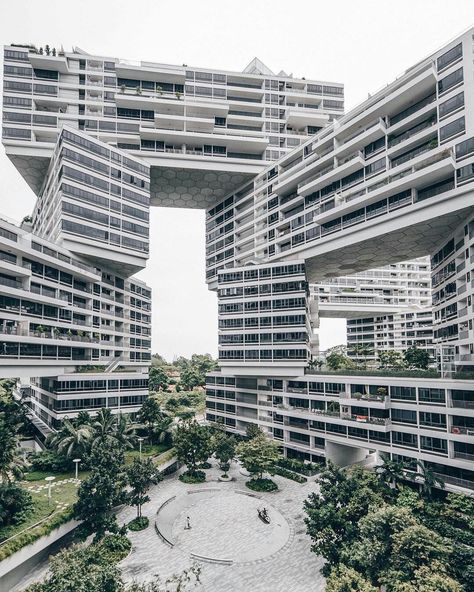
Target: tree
[(72, 440), (155, 420), (224, 450), (344, 497), (141, 475), (427, 579), (252, 430), (361, 351), (101, 491), (111, 429), (15, 504), (12, 463), (81, 569), (258, 455), (371, 550), (124, 433), (347, 579), (429, 480), (158, 360), (391, 472), (190, 378), (337, 358), (193, 371), (390, 359), (192, 443), (158, 379), (417, 358)]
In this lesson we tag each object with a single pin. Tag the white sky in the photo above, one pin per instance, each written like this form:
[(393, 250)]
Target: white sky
[(364, 44)]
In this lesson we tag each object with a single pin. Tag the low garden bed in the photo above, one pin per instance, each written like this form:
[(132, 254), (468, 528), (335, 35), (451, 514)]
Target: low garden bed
[(261, 485), (192, 478)]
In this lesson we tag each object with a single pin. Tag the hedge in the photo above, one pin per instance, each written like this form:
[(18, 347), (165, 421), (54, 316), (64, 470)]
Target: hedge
[(381, 373), (289, 475)]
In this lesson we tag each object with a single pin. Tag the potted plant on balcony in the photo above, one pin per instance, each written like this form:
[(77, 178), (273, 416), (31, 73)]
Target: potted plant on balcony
[(80, 334), (381, 392), (56, 332), (69, 333), (159, 89), (40, 330), (123, 88), (138, 90), (178, 95)]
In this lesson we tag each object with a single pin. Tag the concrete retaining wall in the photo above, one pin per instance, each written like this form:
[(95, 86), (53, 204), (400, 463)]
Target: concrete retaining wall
[(15, 567)]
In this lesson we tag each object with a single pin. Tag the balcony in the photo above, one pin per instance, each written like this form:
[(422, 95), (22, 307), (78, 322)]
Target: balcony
[(351, 164), (462, 430)]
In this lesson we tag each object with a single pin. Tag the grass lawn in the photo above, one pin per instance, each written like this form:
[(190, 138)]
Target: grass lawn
[(41, 475), (62, 493), (148, 451)]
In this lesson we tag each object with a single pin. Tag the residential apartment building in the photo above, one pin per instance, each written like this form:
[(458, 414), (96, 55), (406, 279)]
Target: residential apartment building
[(286, 213), (62, 317), (389, 181)]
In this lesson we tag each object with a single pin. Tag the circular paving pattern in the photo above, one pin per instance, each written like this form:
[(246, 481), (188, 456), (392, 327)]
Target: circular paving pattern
[(225, 526)]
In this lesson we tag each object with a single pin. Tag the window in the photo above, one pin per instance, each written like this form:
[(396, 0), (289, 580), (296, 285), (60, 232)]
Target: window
[(435, 420), (455, 127), (431, 395), (403, 416), (449, 57), (403, 439), (452, 104), (450, 81), (465, 148), (436, 445)]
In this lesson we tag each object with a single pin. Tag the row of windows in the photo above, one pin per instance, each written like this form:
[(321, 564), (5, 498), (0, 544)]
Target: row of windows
[(263, 305), (288, 337), (264, 273), (101, 218), (105, 202), (104, 236), (276, 288), (264, 355), (90, 146), (277, 321)]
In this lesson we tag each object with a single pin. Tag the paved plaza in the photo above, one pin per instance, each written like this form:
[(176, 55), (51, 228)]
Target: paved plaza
[(236, 550), (225, 526)]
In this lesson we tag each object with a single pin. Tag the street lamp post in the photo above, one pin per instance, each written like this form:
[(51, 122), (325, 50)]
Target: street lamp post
[(76, 461), (140, 440), (48, 481)]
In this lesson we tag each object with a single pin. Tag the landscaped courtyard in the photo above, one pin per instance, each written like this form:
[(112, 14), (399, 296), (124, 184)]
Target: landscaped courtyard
[(235, 549)]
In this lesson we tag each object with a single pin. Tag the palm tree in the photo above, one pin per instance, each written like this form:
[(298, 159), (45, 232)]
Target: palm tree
[(161, 429), (72, 439), (12, 462), (391, 472), (103, 426), (428, 480), (124, 433)]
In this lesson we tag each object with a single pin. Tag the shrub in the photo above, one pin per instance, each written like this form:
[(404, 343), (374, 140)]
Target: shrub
[(49, 461), (261, 485), (205, 465), (115, 546), (139, 523), (15, 504), (195, 477), (299, 466), (290, 475)]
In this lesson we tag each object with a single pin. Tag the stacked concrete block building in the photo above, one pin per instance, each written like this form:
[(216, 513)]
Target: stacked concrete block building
[(301, 200)]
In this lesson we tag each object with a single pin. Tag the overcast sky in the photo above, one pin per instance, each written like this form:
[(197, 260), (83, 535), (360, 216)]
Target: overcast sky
[(364, 44)]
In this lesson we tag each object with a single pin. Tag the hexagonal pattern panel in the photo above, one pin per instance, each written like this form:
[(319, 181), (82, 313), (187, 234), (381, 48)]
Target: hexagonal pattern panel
[(192, 188)]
